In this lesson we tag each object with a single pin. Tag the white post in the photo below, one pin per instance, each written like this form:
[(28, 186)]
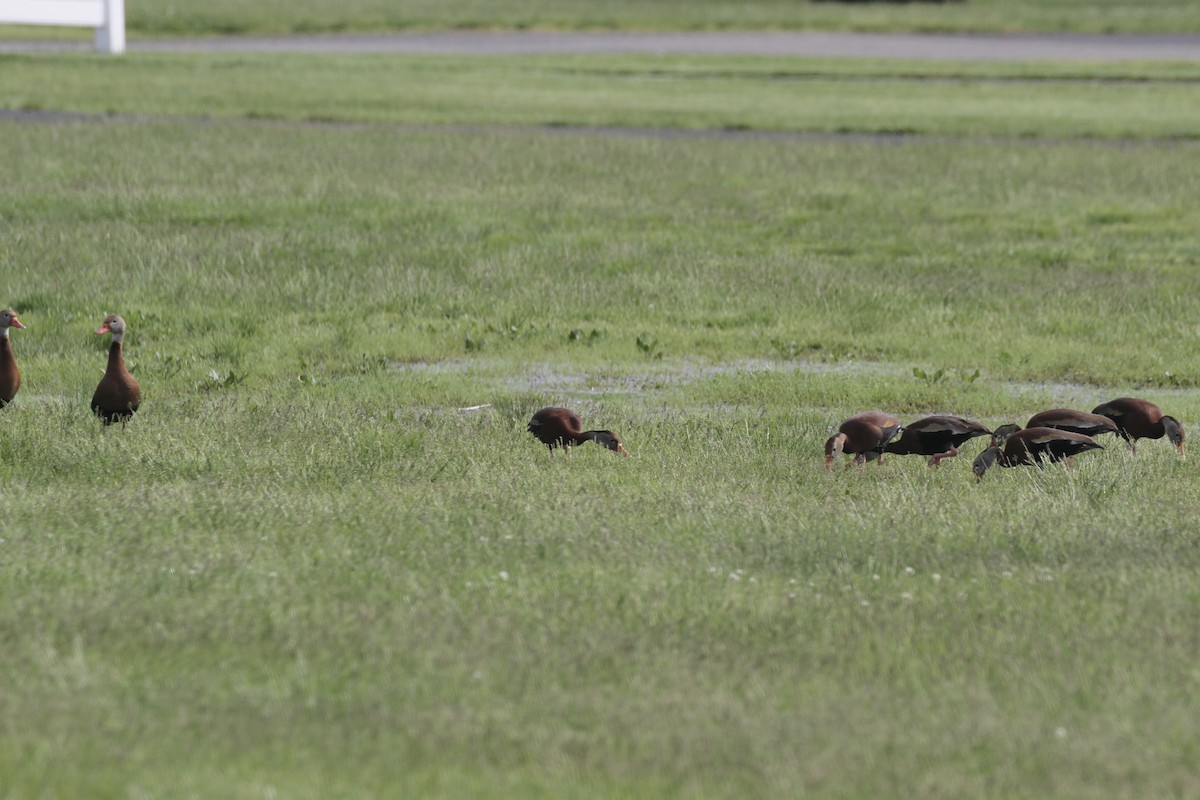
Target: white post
[(110, 37)]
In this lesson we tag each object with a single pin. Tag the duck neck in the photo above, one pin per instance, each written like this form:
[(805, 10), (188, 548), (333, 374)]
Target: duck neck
[(586, 436), (116, 361)]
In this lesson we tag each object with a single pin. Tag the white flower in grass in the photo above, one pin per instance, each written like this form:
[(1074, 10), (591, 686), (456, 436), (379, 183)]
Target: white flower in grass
[(864, 603), (1060, 732), (733, 576), (909, 570), (503, 575), (874, 577), (906, 595), (936, 577)]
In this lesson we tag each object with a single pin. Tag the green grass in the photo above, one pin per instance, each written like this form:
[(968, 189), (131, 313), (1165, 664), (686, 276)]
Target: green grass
[(303, 571), (1034, 100), (177, 17)]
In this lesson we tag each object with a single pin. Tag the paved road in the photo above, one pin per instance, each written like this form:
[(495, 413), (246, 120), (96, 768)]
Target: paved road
[(950, 47)]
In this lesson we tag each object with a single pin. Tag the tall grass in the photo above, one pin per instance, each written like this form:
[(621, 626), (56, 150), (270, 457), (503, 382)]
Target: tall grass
[(304, 570), (273, 250)]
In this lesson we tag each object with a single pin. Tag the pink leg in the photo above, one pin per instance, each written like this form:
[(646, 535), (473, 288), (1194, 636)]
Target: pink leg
[(936, 461)]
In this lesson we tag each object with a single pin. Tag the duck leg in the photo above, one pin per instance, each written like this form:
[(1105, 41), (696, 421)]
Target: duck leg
[(936, 461)]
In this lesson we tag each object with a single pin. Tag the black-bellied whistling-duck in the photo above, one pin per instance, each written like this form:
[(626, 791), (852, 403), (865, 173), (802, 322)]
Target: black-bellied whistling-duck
[(863, 435), (1002, 432), (10, 376), (561, 427), (938, 436), (1068, 419), (1034, 446), (118, 395), (1141, 419)]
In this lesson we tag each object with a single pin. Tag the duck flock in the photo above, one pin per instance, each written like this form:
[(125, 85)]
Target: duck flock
[(1054, 436), (116, 397)]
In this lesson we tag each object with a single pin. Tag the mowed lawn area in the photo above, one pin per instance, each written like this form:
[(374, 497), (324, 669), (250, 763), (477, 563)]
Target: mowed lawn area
[(325, 559), (183, 17)]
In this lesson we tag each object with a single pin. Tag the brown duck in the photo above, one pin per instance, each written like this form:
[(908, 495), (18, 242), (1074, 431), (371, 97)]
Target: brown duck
[(1140, 419), (1068, 419), (118, 394), (938, 437), (10, 376), (561, 427), (863, 435), (1033, 447)]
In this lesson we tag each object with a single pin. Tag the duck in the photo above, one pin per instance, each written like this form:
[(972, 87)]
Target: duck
[(1068, 419), (864, 435), (1140, 419), (562, 427), (1033, 447), (938, 436), (10, 376), (118, 395)]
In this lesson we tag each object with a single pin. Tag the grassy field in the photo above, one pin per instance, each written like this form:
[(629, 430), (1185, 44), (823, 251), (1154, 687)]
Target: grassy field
[(178, 17), (697, 93), (304, 571)]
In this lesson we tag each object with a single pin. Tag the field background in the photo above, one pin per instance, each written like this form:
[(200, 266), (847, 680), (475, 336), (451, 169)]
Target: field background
[(306, 570), (157, 18), (180, 17)]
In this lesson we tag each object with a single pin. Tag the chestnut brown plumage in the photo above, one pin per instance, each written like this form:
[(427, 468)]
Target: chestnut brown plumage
[(561, 427), (118, 395), (10, 376), (1140, 419), (1034, 446), (938, 436), (863, 435), (1068, 419)]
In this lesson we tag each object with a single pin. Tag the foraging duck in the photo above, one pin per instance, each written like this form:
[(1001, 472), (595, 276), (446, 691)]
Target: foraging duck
[(1001, 434), (1068, 419), (938, 436), (1034, 446), (10, 376), (118, 395), (864, 435), (561, 427), (1140, 419)]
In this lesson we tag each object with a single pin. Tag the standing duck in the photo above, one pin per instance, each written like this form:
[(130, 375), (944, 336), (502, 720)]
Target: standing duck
[(561, 427), (1068, 419), (118, 394), (10, 376), (938, 436), (864, 435), (1034, 446), (1140, 419)]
